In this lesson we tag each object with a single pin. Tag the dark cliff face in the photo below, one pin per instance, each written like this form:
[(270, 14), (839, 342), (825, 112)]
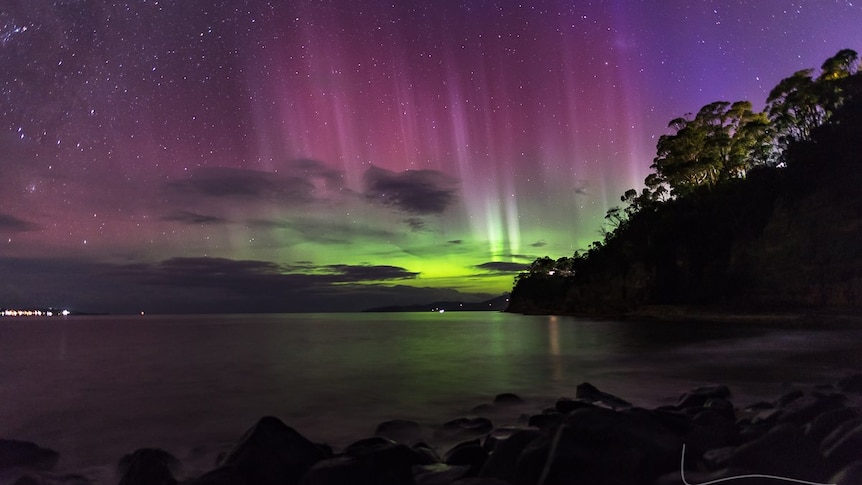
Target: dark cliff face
[(782, 239)]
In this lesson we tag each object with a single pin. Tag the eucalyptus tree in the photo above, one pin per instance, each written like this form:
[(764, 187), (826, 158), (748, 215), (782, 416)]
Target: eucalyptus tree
[(722, 141)]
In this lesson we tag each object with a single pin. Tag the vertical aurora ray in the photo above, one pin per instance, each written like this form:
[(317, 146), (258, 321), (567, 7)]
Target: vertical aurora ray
[(498, 131)]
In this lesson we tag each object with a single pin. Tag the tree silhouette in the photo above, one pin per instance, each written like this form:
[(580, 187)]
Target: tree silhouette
[(722, 141)]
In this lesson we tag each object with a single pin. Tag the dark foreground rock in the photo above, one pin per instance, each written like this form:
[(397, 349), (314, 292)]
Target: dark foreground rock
[(813, 435)]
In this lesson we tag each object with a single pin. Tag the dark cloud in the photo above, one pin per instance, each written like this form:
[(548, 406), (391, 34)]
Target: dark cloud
[(244, 276), (311, 169), (412, 191), (208, 285), (539, 244), (300, 181), (502, 267), (415, 224), (580, 187), (10, 223), (237, 183), (371, 273), (193, 218)]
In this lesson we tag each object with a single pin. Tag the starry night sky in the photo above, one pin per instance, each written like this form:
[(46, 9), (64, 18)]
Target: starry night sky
[(327, 155)]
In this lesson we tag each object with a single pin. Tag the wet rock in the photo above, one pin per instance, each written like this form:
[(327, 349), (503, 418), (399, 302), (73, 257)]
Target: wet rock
[(497, 435), (570, 456), (823, 425), (438, 474), (566, 406), (485, 408), (426, 455), (468, 453), (810, 406), (718, 458), (480, 481), (852, 383), (598, 445), (783, 451), (24, 454), (508, 398), (849, 475), (699, 396), (463, 429), (47, 478), (373, 461), (712, 429), (768, 416), (272, 453), (722, 406), (400, 430), (730, 475), (788, 398), (368, 445), (148, 466), (591, 393), (545, 420), (844, 445), (502, 462), (226, 475), (760, 406)]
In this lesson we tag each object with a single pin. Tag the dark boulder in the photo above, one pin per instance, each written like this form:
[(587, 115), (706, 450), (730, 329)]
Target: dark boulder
[(483, 409), (573, 457), (272, 453), (463, 429), (41, 477), (24, 454), (480, 481), (545, 420), (852, 383), (148, 466), (809, 406), (598, 445), (823, 425), (499, 435), (785, 399), (468, 453), (844, 445), (783, 451), (373, 461), (849, 475), (699, 396), (438, 474), (712, 429), (400, 430), (426, 454), (507, 398), (566, 406), (591, 393), (225, 475), (503, 460)]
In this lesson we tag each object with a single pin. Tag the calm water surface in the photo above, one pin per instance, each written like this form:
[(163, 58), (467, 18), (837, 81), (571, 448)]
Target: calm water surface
[(94, 388)]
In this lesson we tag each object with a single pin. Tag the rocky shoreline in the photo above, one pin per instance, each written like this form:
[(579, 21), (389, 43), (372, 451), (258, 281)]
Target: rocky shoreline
[(812, 436)]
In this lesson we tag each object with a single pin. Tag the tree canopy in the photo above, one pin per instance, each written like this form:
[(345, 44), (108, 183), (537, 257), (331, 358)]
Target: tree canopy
[(723, 142)]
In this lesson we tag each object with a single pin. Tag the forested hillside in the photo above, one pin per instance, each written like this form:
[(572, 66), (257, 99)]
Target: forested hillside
[(745, 211)]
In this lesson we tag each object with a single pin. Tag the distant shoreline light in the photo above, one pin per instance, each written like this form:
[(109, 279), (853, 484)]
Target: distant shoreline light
[(34, 313)]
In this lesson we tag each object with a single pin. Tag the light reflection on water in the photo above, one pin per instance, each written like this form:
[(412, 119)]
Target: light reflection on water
[(97, 387)]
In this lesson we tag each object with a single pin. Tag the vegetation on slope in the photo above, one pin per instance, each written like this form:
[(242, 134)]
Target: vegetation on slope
[(744, 210)]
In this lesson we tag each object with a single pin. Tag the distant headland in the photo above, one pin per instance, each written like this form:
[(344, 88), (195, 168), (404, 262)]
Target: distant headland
[(494, 304)]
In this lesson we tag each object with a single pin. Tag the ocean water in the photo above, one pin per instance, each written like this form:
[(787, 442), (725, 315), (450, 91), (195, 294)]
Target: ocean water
[(94, 388)]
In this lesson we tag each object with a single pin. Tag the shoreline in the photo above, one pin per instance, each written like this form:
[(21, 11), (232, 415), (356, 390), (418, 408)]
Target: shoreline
[(676, 313), (809, 434)]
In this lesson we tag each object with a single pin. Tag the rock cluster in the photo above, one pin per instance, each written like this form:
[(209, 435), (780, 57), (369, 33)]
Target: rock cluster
[(595, 438)]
